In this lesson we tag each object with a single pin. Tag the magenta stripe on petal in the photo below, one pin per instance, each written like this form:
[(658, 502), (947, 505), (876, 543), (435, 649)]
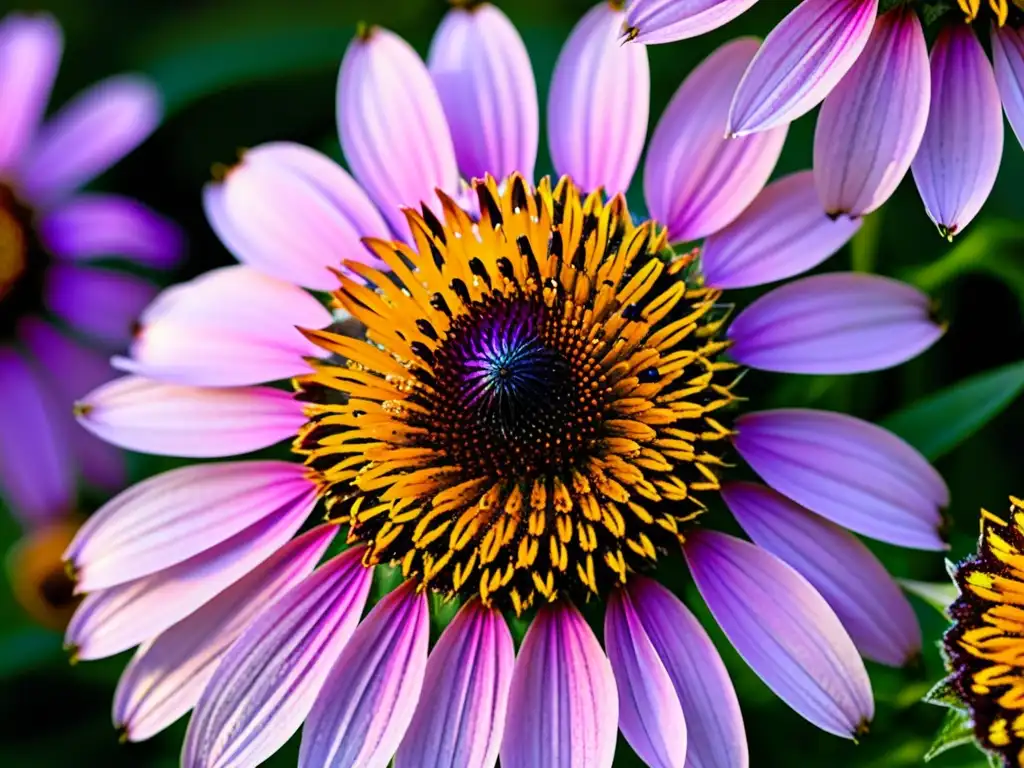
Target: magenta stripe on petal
[(665, 21), (650, 714), (201, 422), (467, 682), (165, 678), (267, 682), (864, 596), (485, 80), (782, 233), (851, 472), (368, 700), (956, 167), (563, 705), (100, 303), (801, 61), (1008, 57), (714, 723), (858, 163), (845, 322), (695, 180), (593, 137), (178, 514), (784, 630)]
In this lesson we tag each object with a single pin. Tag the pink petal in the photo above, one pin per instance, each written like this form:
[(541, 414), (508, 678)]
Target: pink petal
[(858, 163), (484, 78), (178, 514), (650, 715), (851, 472), (166, 677), (665, 21), (845, 322), (563, 705), (957, 164), (800, 63), (101, 303), (201, 422), (695, 180), (782, 233), (267, 682), (599, 103), (1008, 57), (467, 682), (368, 700), (784, 630)]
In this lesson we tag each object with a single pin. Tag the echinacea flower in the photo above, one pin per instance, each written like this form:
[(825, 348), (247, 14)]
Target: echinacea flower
[(62, 308), (523, 402), (942, 118)]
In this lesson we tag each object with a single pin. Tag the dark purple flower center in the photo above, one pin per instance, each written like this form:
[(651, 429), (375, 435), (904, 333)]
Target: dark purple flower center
[(22, 262)]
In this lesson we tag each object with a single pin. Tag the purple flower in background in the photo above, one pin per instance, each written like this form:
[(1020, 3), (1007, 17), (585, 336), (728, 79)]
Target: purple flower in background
[(519, 404)]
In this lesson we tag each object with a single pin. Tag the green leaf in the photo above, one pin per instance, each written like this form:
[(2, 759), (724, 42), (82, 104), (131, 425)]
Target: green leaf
[(939, 423), (943, 694), (939, 595), (956, 730), (864, 245)]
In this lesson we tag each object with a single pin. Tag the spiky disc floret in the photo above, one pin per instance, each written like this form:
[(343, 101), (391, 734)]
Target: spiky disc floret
[(533, 410)]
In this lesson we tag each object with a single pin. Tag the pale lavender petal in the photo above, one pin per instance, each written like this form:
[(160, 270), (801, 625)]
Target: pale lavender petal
[(784, 630), (166, 677), (801, 61), (956, 167), (782, 233), (467, 682), (485, 80), (392, 125), (30, 51), (845, 322), (851, 472), (100, 303), (178, 514), (665, 21), (696, 181), (859, 162), (269, 679), (563, 705), (230, 327), (293, 213), (864, 596), (715, 733), (200, 422), (650, 713), (599, 103), (92, 226), (90, 134), (1008, 57)]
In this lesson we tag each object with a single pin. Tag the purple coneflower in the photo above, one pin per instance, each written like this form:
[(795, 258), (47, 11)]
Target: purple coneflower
[(62, 308), (885, 107), (523, 405)]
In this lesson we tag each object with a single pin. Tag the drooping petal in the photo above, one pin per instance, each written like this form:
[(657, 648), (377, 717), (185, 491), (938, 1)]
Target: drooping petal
[(292, 213), (784, 630), (695, 180), (467, 682), (165, 678), (782, 233), (848, 471), (392, 126), (485, 80), (1008, 57), (267, 683), (92, 226), (101, 303), (650, 713), (563, 705), (230, 327), (864, 596), (845, 322), (715, 733), (172, 420), (599, 103), (956, 167), (178, 514), (858, 163), (368, 700), (90, 134), (801, 61), (665, 21)]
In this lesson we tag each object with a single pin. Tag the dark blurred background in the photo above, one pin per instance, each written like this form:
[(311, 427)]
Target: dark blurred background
[(239, 72)]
